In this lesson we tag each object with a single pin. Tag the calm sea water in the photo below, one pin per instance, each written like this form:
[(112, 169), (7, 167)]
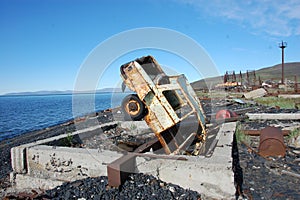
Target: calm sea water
[(21, 114)]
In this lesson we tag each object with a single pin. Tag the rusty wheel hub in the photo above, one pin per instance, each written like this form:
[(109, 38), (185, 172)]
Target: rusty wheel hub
[(133, 107)]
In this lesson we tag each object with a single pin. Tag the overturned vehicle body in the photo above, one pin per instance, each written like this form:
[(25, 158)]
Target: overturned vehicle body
[(168, 104)]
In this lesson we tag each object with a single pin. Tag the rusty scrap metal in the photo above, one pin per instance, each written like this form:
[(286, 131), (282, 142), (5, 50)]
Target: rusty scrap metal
[(153, 144), (169, 100), (271, 142), (241, 111), (225, 114), (258, 132), (296, 85), (230, 119), (119, 170)]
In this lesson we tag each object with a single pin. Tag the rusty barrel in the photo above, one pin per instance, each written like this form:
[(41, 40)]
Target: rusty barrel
[(271, 142)]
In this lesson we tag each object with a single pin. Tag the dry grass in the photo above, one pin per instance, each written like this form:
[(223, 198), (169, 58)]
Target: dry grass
[(277, 101)]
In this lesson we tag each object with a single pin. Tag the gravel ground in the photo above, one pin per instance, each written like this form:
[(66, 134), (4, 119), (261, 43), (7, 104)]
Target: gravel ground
[(271, 178)]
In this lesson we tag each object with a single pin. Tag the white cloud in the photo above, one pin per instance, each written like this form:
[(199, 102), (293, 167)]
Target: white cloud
[(276, 18)]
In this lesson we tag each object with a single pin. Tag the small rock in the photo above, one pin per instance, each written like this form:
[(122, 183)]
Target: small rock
[(172, 189), (296, 151), (255, 167)]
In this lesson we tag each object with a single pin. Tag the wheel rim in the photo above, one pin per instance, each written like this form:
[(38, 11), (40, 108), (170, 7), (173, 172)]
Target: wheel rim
[(133, 107)]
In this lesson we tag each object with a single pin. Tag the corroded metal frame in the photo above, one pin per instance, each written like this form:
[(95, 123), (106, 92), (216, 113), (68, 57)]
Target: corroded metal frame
[(160, 93)]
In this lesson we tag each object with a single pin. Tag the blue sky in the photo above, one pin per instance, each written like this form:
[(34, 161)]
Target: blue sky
[(45, 43)]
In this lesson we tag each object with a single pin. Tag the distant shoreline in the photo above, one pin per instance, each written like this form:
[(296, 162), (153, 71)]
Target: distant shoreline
[(60, 93)]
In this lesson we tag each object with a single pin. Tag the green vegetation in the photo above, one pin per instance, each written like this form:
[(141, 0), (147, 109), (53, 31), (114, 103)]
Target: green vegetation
[(133, 126), (294, 133), (240, 135), (68, 141), (213, 95), (276, 101)]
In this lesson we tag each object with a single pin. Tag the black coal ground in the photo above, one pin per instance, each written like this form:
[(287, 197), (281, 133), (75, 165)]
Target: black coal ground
[(138, 186)]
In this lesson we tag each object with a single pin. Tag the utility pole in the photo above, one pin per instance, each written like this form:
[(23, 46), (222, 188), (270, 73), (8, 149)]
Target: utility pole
[(282, 45)]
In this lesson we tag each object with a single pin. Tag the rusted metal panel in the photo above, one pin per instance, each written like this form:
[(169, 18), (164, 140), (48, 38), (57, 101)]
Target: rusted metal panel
[(271, 142), (119, 170), (135, 80), (169, 100)]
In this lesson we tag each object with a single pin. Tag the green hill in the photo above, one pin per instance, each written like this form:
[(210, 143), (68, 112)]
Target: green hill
[(290, 71)]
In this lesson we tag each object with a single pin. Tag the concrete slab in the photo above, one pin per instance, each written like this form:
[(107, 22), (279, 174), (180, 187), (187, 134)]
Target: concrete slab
[(255, 93), (269, 116)]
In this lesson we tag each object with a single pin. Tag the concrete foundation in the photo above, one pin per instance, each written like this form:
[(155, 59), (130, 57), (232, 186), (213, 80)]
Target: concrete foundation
[(37, 165), (211, 176)]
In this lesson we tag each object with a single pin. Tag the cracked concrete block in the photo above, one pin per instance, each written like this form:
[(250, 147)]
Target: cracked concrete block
[(67, 164)]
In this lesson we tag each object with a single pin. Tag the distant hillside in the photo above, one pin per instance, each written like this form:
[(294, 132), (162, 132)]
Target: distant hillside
[(268, 73), (290, 71), (62, 92)]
